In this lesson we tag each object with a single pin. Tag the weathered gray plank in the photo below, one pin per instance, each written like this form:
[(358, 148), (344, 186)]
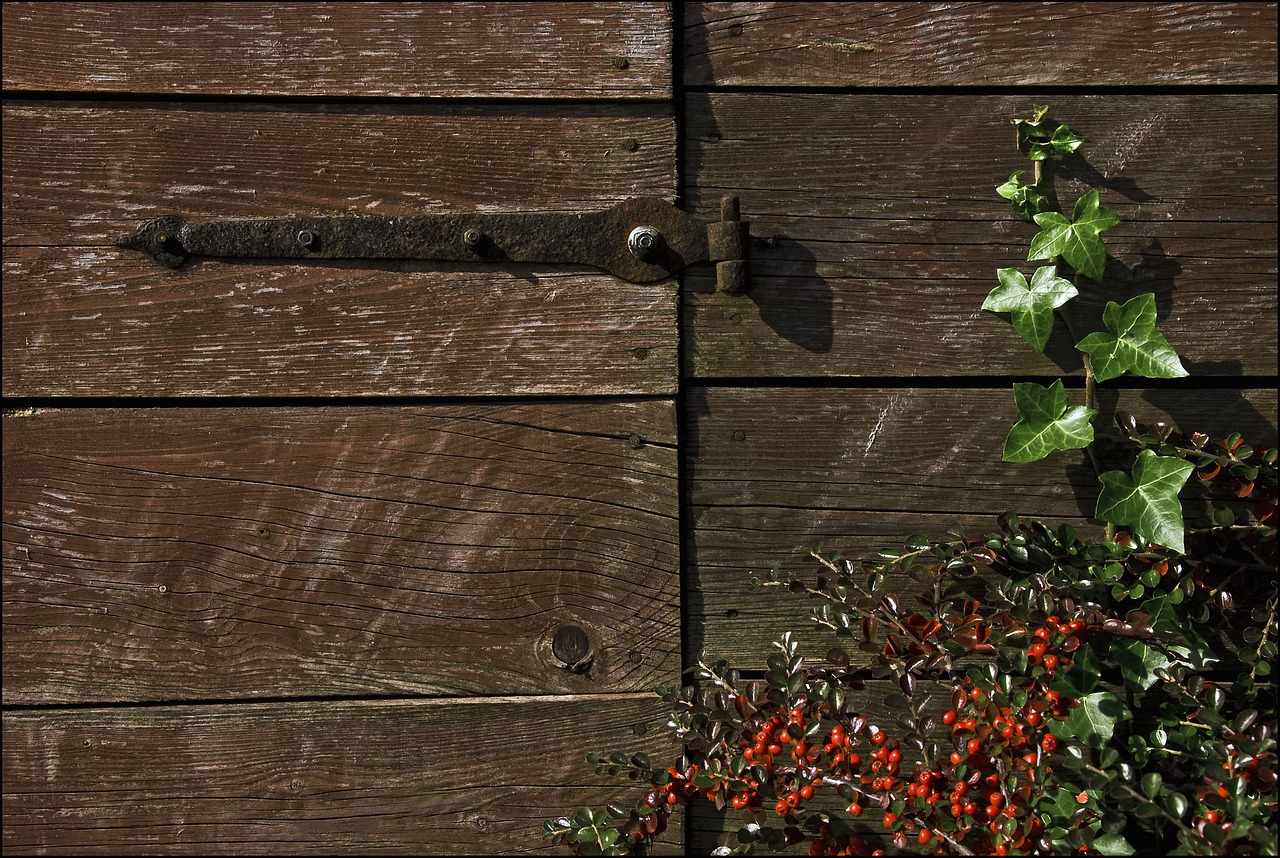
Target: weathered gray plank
[(406, 777), (264, 552), (856, 470), (889, 231), (979, 44), (82, 317), (353, 50)]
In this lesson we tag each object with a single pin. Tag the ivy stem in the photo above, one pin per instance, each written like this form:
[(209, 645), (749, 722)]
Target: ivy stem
[(1090, 396), (1266, 629)]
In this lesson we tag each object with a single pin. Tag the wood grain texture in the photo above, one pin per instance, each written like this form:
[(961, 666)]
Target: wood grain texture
[(348, 50), (979, 44), (467, 777), (82, 317), (888, 231), (856, 470), (228, 553)]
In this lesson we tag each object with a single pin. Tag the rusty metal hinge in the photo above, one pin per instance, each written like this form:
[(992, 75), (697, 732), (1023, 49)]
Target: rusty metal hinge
[(640, 240)]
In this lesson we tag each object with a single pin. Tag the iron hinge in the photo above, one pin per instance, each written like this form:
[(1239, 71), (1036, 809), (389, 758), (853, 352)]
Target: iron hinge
[(640, 240)]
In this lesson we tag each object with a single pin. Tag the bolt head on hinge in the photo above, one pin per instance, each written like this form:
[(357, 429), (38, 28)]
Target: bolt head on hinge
[(644, 242)]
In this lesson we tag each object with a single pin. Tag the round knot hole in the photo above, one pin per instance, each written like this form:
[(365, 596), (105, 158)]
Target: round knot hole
[(572, 647)]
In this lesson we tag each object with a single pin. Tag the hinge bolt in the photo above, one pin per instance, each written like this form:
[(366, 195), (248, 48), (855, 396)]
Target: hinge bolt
[(306, 238), (644, 241), (472, 237)]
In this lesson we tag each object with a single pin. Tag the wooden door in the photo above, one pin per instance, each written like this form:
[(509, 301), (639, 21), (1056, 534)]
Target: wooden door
[(365, 557), (343, 557)]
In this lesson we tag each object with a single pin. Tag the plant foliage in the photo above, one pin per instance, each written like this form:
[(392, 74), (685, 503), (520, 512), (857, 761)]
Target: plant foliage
[(1031, 690)]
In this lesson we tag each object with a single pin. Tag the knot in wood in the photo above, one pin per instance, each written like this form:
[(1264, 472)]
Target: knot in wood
[(572, 647)]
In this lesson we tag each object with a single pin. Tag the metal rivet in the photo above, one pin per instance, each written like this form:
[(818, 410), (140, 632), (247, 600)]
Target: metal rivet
[(640, 729), (739, 435), (631, 144), (306, 238), (621, 63), (735, 30), (643, 241), (640, 353), (635, 441), (162, 588), (160, 238), (472, 237)]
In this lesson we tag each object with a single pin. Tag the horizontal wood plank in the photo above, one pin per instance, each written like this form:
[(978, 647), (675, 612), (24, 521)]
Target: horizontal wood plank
[(348, 50), (466, 777), (856, 470), (82, 317), (979, 44), (224, 553), (887, 231)]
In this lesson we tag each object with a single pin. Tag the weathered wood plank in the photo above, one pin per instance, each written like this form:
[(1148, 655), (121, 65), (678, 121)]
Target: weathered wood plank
[(856, 470), (413, 777), (979, 44), (231, 553), (350, 50), (890, 231), (82, 317)]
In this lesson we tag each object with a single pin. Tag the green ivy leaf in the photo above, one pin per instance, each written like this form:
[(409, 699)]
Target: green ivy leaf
[(1077, 240), (1138, 662), (1030, 307), (1094, 720), (1196, 654), (1027, 200), (1147, 501), (1083, 675), (1046, 423), (1132, 343), (1113, 844), (1038, 143)]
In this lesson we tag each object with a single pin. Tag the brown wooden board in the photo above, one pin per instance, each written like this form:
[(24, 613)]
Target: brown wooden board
[(888, 232), (224, 553), (468, 777), (856, 470), (348, 50), (85, 318), (979, 44)]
